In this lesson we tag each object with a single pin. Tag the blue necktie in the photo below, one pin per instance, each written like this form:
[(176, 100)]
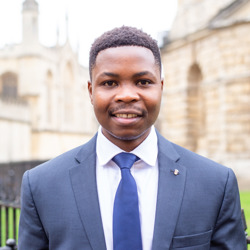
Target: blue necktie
[(126, 221)]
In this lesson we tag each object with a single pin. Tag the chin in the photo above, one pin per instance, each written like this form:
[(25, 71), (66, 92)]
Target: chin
[(127, 137)]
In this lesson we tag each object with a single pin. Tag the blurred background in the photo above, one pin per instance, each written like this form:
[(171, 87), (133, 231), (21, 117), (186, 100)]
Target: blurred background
[(44, 103), (206, 105)]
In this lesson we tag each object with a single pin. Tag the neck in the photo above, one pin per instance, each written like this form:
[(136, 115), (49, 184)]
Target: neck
[(126, 144)]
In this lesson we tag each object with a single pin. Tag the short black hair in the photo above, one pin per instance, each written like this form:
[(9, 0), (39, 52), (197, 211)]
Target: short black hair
[(123, 36)]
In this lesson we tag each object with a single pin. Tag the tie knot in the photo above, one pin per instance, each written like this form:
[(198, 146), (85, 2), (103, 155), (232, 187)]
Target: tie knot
[(125, 160)]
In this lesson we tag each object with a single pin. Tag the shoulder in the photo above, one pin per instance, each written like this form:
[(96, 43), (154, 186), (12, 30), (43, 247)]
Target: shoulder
[(202, 175), (195, 164)]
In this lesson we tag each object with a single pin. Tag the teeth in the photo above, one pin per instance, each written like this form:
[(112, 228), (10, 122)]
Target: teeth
[(126, 115)]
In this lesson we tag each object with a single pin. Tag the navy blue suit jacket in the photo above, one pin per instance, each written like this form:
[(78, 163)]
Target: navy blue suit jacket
[(197, 209)]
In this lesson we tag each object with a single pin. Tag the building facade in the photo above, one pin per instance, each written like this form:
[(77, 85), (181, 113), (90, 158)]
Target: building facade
[(206, 104), (44, 103), (45, 108)]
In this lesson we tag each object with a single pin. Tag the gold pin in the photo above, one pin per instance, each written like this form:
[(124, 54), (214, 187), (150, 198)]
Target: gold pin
[(176, 172)]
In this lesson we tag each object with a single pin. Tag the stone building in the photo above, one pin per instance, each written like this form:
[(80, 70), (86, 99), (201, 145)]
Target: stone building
[(206, 105), (44, 103)]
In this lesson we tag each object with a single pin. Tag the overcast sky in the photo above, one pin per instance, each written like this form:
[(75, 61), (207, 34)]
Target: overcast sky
[(86, 20)]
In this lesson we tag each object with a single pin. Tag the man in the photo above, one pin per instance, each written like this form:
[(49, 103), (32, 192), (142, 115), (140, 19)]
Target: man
[(185, 201)]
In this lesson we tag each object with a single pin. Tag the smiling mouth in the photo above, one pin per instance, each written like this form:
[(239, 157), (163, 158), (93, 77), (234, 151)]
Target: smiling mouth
[(126, 116)]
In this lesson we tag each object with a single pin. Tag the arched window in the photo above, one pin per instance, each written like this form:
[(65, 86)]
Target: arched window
[(49, 86), (68, 93), (9, 88), (195, 110)]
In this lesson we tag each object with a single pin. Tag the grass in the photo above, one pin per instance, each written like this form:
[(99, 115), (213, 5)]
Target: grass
[(245, 204)]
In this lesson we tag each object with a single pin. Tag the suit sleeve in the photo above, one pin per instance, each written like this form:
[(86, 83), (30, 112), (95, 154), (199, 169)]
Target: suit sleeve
[(31, 233), (229, 233)]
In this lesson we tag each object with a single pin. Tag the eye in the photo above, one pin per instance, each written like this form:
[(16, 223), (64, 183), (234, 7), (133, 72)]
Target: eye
[(110, 83), (144, 82)]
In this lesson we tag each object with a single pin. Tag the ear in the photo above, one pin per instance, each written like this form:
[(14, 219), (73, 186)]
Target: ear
[(90, 91)]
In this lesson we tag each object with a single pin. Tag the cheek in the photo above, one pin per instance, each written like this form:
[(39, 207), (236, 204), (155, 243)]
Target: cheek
[(153, 101), (153, 106), (100, 101)]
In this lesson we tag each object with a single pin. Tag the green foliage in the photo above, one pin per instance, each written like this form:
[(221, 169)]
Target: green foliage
[(245, 204), (7, 222), (3, 226)]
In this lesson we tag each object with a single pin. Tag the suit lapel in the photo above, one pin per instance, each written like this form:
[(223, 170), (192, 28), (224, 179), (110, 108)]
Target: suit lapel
[(170, 193), (83, 179)]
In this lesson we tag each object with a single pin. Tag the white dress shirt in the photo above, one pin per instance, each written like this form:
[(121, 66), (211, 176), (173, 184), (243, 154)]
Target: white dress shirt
[(145, 173)]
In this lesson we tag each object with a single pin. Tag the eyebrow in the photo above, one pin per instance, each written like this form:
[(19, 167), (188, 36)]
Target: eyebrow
[(109, 74), (139, 74), (143, 73)]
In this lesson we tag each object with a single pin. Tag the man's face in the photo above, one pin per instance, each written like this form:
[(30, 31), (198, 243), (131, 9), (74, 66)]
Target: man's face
[(126, 91)]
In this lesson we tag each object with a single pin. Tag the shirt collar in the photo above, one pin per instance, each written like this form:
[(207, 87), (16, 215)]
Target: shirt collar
[(146, 151)]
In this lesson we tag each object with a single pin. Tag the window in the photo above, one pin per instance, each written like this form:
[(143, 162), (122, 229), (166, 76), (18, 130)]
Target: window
[(195, 107), (9, 86)]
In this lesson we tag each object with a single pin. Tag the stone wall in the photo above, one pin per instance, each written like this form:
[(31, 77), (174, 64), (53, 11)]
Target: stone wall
[(15, 131), (57, 115), (207, 95), (193, 15)]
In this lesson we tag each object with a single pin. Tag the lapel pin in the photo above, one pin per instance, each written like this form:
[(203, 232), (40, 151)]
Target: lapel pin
[(175, 172)]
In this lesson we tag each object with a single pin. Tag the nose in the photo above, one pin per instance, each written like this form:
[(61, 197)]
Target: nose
[(127, 93)]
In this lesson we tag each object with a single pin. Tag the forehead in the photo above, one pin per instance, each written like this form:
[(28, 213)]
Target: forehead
[(133, 56)]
